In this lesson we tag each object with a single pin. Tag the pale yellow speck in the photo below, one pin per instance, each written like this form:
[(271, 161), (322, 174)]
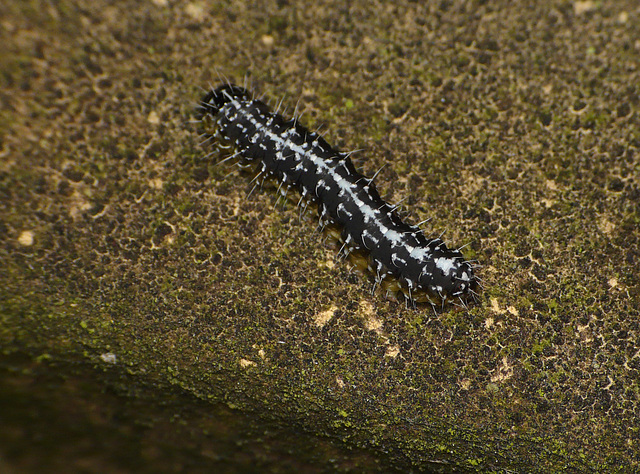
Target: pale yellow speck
[(153, 118), (606, 226), (583, 7), (195, 10), (267, 40), (156, 183), (79, 204), (26, 238), (108, 358), (551, 184)]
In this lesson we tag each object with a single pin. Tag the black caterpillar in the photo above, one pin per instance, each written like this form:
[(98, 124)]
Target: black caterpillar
[(399, 254)]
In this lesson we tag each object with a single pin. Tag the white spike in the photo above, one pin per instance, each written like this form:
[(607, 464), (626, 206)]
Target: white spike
[(377, 173)]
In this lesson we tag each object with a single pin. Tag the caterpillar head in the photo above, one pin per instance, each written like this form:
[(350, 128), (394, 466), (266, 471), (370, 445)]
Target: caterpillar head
[(215, 99)]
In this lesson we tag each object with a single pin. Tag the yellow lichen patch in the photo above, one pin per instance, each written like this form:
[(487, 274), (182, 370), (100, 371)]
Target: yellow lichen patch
[(156, 183), (244, 363), (373, 324), (329, 263), (392, 351), (495, 306), (260, 351), (503, 372), (366, 308), (606, 226), (584, 332), (323, 317), (79, 204)]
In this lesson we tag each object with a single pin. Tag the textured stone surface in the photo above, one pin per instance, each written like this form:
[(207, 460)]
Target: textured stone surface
[(121, 247)]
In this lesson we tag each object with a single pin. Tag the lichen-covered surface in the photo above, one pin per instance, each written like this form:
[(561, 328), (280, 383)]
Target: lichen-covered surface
[(515, 128)]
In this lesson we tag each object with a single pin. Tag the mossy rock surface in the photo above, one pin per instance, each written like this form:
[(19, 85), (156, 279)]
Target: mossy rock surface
[(136, 272)]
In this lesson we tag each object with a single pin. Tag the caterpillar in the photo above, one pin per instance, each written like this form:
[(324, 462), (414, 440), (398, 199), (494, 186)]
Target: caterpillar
[(398, 255)]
